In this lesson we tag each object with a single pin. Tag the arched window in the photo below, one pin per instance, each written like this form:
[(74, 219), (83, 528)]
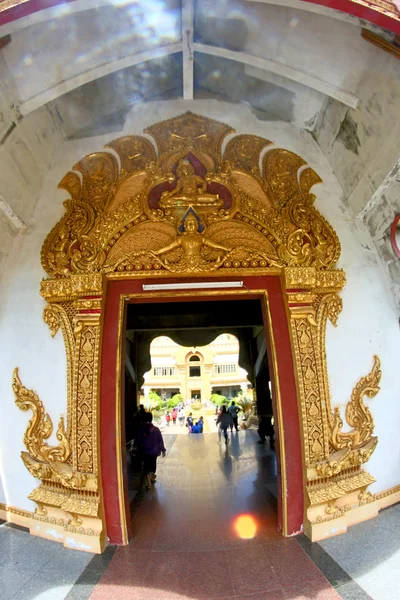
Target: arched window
[(194, 369)]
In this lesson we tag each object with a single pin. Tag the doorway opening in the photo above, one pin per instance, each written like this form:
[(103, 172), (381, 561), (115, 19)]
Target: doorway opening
[(268, 294), (204, 381)]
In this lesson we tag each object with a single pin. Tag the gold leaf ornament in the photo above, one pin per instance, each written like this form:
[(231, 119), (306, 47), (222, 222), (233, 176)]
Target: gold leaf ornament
[(40, 427), (358, 416)]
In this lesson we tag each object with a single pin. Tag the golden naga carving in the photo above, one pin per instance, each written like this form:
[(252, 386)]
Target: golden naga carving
[(358, 416), (135, 219), (40, 427), (44, 461)]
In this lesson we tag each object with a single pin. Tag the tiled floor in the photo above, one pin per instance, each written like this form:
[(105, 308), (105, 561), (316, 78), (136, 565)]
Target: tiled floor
[(184, 545), (370, 553)]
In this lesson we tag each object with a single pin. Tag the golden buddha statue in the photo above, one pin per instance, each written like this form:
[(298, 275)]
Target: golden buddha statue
[(190, 190)]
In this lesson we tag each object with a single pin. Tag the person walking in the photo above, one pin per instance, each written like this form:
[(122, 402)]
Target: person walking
[(189, 422), (200, 423), (151, 445), (181, 416), (234, 410), (168, 418), (174, 416), (224, 421), (266, 429)]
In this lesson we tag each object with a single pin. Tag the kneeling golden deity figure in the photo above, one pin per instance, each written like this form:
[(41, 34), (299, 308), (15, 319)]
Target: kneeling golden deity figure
[(192, 242), (190, 190)]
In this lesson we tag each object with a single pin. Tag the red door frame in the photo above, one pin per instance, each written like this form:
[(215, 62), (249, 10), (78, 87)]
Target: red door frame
[(284, 395)]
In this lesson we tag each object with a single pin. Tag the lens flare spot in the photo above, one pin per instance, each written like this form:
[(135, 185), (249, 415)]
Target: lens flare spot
[(28, 60), (245, 527)]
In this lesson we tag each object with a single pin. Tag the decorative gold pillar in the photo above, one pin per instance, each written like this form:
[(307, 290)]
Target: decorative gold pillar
[(68, 499), (336, 484)]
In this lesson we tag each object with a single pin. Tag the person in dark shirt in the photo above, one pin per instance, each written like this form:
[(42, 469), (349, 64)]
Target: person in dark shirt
[(200, 423), (234, 410), (151, 445), (224, 421), (189, 422)]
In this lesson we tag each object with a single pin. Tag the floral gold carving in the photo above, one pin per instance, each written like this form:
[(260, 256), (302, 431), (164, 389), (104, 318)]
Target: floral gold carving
[(243, 152), (124, 219), (358, 416), (40, 427), (327, 489), (189, 130), (315, 422), (86, 357), (58, 290)]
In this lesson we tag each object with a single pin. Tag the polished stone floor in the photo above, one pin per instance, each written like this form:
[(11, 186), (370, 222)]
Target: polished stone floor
[(185, 545)]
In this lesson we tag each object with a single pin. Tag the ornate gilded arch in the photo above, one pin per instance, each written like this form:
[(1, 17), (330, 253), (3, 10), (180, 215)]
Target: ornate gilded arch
[(184, 201)]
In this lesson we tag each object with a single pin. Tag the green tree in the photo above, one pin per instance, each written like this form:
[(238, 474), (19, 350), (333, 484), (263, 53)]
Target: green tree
[(218, 399), (174, 401), (153, 401), (244, 403)]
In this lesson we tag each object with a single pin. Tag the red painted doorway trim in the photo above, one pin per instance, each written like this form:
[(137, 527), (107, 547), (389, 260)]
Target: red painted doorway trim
[(288, 438)]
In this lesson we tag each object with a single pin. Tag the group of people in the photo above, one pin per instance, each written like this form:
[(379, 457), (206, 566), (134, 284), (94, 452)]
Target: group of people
[(177, 414), (194, 427), (149, 441)]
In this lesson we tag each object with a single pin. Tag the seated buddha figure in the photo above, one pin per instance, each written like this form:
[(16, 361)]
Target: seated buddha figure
[(190, 190)]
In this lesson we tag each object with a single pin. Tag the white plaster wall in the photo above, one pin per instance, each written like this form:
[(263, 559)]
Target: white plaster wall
[(364, 147), (307, 103), (368, 324), (27, 149), (26, 341), (7, 237)]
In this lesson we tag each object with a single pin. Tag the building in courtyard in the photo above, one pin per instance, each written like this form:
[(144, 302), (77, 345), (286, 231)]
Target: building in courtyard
[(196, 373)]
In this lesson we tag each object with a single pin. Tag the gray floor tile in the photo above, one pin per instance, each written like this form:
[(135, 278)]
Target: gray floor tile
[(67, 563), (45, 589), (81, 591), (27, 552), (11, 581), (370, 554), (352, 591)]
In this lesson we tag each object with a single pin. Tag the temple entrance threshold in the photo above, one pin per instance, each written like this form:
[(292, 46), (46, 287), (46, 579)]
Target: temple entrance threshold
[(208, 529), (260, 319)]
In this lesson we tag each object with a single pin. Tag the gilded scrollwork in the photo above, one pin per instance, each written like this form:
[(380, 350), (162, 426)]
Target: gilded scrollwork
[(104, 222), (314, 416), (243, 152), (56, 316), (40, 427), (358, 416), (87, 339)]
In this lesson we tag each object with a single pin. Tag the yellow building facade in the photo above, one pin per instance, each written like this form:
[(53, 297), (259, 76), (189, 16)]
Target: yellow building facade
[(196, 372)]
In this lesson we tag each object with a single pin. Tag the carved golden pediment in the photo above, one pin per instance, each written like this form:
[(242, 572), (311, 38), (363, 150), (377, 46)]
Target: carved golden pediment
[(133, 216)]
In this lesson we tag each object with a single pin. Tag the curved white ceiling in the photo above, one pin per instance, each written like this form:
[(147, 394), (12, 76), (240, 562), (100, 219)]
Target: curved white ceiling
[(309, 52)]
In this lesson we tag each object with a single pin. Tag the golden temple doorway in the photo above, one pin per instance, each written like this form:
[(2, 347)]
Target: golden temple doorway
[(196, 204)]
